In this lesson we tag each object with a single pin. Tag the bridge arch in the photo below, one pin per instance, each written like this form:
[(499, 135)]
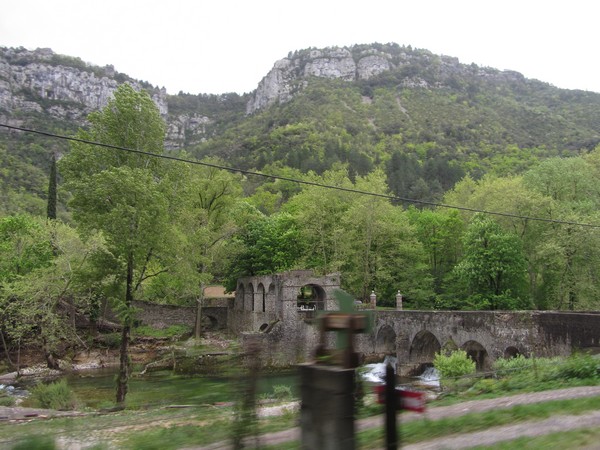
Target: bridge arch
[(385, 342), (209, 322), (511, 352), (249, 298), (423, 347), (477, 353)]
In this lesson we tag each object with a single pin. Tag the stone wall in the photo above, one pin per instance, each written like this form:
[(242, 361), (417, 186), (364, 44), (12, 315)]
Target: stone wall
[(164, 316)]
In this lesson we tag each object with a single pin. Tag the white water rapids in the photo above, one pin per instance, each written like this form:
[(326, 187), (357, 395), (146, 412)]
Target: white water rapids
[(375, 373)]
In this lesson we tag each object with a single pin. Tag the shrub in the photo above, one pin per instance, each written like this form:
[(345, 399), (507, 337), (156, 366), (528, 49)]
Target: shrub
[(54, 396), (173, 331), (36, 443), (454, 365), (5, 400), (282, 392), (511, 365), (579, 366)]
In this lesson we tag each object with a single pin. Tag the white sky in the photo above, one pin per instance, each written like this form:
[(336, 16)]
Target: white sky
[(217, 46)]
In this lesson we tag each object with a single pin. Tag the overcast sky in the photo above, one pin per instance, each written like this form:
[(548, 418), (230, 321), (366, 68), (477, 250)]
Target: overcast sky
[(217, 46)]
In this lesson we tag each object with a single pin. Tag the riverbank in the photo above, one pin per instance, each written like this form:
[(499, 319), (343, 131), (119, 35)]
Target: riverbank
[(143, 350)]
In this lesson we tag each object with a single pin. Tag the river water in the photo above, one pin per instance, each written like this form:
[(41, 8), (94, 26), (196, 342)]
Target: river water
[(96, 388)]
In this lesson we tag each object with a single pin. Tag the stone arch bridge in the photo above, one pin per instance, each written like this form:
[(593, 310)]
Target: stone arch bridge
[(281, 309), (414, 337)]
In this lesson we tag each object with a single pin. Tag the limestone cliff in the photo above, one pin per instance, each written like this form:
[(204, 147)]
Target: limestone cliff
[(66, 88), (361, 62)]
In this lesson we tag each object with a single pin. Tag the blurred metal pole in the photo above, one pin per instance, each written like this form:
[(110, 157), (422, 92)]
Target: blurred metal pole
[(391, 435)]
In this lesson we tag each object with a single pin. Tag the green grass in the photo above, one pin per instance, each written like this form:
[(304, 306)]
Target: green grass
[(205, 424), (172, 429), (584, 438), (169, 332), (422, 430)]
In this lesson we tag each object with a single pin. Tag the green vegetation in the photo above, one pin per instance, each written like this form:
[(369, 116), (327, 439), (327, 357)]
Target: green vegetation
[(172, 331), (152, 427), (454, 365), (584, 439), (497, 142), (423, 430), (516, 375), (282, 392), (55, 395), (124, 226)]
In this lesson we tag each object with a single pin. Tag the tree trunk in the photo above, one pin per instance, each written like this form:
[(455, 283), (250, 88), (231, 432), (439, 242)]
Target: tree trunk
[(52, 191), (123, 376), (51, 362), (198, 324), (124, 369), (6, 349)]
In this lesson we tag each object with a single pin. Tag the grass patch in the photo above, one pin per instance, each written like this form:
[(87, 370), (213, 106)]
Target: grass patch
[(174, 437), (55, 395), (422, 430), (5, 400), (35, 443), (522, 375), (583, 438), (173, 331)]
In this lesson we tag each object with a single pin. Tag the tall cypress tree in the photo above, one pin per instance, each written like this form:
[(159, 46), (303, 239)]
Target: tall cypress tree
[(52, 195)]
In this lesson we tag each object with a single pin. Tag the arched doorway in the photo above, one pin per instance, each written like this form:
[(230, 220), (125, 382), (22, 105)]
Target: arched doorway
[(311, 297), (259, 299), (209, 323), (249, 298)]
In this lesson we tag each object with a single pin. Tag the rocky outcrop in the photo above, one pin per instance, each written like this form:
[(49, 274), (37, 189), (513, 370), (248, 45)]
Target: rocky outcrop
[(66, 88), (289, 74), (418, 69), (37, 81)]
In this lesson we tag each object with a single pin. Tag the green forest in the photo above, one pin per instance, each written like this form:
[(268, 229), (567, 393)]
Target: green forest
[(477, 195)]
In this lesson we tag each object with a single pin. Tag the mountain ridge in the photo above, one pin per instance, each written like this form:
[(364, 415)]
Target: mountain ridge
[(425, 119)]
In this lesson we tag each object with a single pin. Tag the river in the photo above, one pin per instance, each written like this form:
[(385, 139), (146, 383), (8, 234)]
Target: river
[(96, 388)]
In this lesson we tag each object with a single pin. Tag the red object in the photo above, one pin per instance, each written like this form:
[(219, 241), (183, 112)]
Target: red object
[(407, 400)]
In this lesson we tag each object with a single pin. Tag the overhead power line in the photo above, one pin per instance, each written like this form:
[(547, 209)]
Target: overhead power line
[(295, 180)]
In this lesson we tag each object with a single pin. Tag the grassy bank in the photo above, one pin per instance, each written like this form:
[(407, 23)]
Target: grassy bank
[(157, 427)]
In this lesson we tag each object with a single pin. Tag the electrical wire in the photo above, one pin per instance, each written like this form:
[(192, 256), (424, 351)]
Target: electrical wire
[(304, 182)]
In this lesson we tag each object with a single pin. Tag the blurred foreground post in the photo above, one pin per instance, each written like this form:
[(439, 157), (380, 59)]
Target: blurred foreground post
[(245, 424), (327, 387), (391, 435)]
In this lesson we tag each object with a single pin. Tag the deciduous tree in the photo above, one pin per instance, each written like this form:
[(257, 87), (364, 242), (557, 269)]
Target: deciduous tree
[(124, 195)]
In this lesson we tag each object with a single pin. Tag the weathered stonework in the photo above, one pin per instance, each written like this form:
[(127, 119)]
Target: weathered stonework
[(415, 336), (289, 335), (269, 306)]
